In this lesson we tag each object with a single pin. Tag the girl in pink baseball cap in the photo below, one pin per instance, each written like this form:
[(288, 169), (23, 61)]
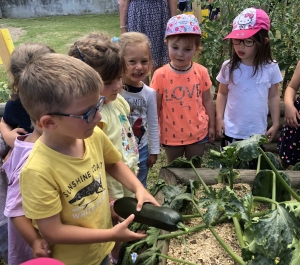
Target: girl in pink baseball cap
[(248, 81)]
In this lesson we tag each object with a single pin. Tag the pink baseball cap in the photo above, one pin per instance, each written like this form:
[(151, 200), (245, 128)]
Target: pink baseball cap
[(248, 23), (43, 261), (183, 24)]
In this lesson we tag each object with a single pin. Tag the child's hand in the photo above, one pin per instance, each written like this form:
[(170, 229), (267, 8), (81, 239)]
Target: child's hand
[(142, 195), (41, 248), (291, 115), (114, 217), (152, 160), (272, 132), (121, 233), (220, 130), (211, 134)]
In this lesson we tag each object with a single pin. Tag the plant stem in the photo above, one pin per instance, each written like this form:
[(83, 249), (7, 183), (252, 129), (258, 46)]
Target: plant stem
[(264, 199), (176, 260), (227, 248), (273, 190), (281, 180), (200, 179), (238, 231)]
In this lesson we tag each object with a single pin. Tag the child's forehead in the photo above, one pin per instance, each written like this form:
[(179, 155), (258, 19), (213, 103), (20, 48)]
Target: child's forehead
[(176, 40)]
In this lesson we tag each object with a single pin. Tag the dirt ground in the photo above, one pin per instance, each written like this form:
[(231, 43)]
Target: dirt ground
[(202, 248), (15, 33)]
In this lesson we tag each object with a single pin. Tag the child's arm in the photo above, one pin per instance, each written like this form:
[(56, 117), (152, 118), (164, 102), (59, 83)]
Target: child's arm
[(220, 109), (124, 175), (274, 106), (153, 131), (55, 232), (291, 114), (9, 134), (39, 246), (210, 111)]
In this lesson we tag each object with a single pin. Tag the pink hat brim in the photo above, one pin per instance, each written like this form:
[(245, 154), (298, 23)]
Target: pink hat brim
[(241, 34), (43, 261)]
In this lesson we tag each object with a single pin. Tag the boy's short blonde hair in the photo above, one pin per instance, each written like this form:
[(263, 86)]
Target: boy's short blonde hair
[(51, 82)]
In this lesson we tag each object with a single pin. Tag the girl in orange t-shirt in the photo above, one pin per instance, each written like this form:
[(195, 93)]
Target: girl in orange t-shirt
[(185, 107)]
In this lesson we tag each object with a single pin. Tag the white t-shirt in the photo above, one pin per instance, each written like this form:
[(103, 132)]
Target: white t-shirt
[(143, 117), (247, 102)]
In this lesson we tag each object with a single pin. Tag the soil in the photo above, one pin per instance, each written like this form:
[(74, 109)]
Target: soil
[(15, 33), (202, 248)]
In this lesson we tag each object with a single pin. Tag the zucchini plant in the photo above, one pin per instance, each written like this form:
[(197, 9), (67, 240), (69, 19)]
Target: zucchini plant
[(267, 237)]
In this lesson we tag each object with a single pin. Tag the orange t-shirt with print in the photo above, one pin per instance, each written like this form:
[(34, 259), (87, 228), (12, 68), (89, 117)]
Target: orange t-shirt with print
[(183, 119)]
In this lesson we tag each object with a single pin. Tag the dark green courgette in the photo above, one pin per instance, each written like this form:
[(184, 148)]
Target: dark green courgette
[(163, 218)]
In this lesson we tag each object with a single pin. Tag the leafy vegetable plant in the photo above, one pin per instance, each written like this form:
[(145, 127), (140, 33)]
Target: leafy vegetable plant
[(267, 237)]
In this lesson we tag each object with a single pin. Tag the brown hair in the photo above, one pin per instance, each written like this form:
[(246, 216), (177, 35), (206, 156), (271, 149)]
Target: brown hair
[(188, 39), (131, 39), (98, 51), (20, 57), (262, 57), (51, 82)]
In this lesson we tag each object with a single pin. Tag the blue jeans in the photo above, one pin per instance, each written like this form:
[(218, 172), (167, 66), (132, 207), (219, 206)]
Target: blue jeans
[(4, 242), (143, 165)]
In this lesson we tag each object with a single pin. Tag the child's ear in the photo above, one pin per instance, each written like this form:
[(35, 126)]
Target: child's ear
[(267, 40), (47, 122)]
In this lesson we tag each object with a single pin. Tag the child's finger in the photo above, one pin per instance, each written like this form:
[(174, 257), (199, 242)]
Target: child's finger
[(46, 247), (128, 220)]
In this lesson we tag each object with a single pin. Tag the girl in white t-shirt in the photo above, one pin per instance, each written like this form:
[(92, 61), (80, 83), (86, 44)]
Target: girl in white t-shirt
[(248, 81)]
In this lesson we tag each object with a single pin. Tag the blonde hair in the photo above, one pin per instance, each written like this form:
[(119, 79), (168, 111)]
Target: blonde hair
[(51, 82), (132, 39), (20, 57), (98, 51)]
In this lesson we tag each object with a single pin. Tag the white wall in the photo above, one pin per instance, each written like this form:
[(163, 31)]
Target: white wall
[(40, 8)]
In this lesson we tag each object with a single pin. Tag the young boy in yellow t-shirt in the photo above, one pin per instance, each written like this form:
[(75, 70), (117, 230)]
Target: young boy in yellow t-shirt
[(63, 183)]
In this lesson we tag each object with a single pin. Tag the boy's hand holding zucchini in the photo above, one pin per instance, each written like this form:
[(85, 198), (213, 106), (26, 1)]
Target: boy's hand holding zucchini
[(160, 217)]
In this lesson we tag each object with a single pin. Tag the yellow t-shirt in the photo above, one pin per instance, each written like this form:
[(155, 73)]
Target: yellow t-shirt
[(116, 126), (183, 119), (53, 183)]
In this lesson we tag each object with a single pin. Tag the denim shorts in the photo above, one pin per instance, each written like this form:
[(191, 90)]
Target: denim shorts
[(203, 141)]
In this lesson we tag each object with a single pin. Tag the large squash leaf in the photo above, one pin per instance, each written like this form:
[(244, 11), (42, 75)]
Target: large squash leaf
[(248, 149), (271, 235), (223, 202)]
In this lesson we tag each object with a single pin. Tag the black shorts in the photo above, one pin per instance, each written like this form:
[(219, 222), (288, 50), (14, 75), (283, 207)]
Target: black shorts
[(182, 6)]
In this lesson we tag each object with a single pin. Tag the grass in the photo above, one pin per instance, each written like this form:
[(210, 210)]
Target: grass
[(59, 32)]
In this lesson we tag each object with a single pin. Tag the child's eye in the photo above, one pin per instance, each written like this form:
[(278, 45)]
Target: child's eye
[(248, 42)]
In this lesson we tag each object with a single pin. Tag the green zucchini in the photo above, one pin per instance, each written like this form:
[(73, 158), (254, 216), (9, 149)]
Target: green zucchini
[(160, 217)]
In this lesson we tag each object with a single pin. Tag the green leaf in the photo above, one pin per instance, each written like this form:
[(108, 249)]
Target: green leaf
[(152, 233), (262, 184), (147, 258), (157, 186), (170, 192), (224, 201), (296, 252), (247, 150), (297, 167), (271, 234)]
